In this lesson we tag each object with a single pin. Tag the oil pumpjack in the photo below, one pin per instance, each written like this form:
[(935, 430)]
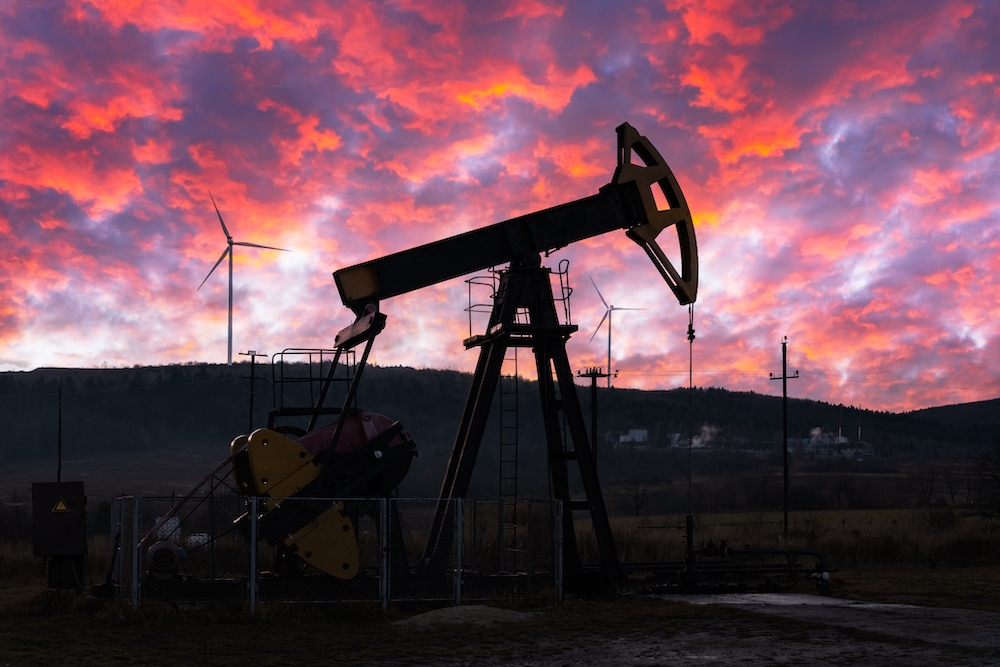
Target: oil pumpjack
[(366, 455)]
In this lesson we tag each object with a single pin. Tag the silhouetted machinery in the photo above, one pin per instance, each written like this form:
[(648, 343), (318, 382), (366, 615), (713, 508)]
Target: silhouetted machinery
[(366, 455), (59, 531)]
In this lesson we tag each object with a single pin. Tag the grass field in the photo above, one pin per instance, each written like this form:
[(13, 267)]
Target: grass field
[(931, 557), (850, 540), (865, 546)]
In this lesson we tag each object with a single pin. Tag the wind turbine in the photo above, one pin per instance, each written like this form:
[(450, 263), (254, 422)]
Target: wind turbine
[(229, 251), (607, 316)]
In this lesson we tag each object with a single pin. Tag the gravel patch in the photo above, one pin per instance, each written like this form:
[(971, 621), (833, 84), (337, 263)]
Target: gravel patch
[(474, 614)]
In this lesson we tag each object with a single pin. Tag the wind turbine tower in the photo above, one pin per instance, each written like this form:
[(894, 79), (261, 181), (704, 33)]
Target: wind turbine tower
[(229, 251), (607, 316)]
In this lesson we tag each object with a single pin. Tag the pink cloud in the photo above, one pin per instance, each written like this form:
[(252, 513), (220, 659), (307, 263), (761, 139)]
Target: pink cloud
[(840, 160)]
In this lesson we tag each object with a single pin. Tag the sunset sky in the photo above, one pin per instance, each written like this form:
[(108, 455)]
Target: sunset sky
[(841, 161)]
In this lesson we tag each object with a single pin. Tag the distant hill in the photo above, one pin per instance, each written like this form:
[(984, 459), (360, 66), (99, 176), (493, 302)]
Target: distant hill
[(980, 415), (201, 407)]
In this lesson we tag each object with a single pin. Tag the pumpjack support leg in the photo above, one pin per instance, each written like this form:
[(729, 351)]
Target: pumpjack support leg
[(527, 288)]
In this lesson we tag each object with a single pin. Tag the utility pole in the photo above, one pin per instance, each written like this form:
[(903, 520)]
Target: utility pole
[(689, 520), (253, 354), (59, 441), (785, 377), (594, 372)]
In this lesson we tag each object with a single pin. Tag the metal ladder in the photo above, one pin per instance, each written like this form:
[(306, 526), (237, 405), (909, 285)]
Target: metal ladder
[(512, 526), (508, 426), (526, 285)]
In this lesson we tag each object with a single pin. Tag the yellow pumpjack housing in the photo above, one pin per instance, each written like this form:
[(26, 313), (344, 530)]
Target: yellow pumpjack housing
[(280, 468)]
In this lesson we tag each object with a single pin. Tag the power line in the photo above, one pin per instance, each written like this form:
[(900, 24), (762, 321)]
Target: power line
[(119, 389), (785, 377), (855, 378), (851, 378)]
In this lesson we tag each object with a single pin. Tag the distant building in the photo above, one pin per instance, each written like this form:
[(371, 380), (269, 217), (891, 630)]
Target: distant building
[(857, 452), (635, 436), (829, 445), (681, 441)]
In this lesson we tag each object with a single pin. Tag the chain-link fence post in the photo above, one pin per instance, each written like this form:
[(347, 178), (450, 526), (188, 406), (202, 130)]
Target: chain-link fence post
[(457, 540), (559, 550), (252, 578), (116, 544), (529, 553), (385, 508), (134, 551)]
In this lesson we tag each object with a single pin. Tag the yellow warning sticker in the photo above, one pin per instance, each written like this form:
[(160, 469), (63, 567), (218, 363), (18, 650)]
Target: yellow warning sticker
[(60, 506)]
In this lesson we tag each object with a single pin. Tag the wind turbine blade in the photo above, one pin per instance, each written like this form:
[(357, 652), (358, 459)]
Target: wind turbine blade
[(617, 308), (224, 230), (599, 326), (598, 291), (256, 245), (224, 253)]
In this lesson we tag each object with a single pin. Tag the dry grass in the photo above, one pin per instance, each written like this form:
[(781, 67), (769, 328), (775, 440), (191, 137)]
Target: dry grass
[(929, 556), (933, 556), (20, 567), (18, 564), (928, 537)]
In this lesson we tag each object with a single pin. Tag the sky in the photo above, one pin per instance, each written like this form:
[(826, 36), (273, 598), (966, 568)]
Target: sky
[(840, 160)]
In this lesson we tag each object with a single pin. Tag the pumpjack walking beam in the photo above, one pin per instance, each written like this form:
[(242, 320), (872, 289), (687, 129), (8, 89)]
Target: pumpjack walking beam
[(629, 202)]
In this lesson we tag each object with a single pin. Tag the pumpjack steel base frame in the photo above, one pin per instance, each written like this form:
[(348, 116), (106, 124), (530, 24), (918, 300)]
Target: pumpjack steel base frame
[(525, 288)]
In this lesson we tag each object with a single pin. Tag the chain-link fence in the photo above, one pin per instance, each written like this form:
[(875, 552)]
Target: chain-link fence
[(320, 550), (229, 549), (510, 549), (203, 546)]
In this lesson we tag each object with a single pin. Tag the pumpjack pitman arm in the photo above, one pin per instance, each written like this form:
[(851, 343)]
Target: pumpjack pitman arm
[(628, 202)]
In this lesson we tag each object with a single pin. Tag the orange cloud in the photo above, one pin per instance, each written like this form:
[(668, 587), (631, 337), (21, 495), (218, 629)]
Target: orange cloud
[(553, 93), (309, 137), (722, 88), (153, 151), (933, 186), (577, 160), (446, 161), (768, 134), (100, 188), (740, 23), (532, 9), (216, 22)]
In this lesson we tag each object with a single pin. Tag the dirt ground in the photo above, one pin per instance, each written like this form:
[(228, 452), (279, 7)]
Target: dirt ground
[(632, 630), (823, 631)]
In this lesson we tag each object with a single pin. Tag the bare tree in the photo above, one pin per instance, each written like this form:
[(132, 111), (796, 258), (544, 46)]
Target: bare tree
[(952, 475), (925, 483), (637, 499), (843, 488), (759, 498), (988, 476)]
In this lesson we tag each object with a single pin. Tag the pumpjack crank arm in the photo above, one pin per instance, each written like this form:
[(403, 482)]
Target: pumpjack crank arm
[(628, 202)]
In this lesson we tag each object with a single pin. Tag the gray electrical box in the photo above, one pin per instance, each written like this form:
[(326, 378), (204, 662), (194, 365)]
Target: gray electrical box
[(59, 530), (59, 518)]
